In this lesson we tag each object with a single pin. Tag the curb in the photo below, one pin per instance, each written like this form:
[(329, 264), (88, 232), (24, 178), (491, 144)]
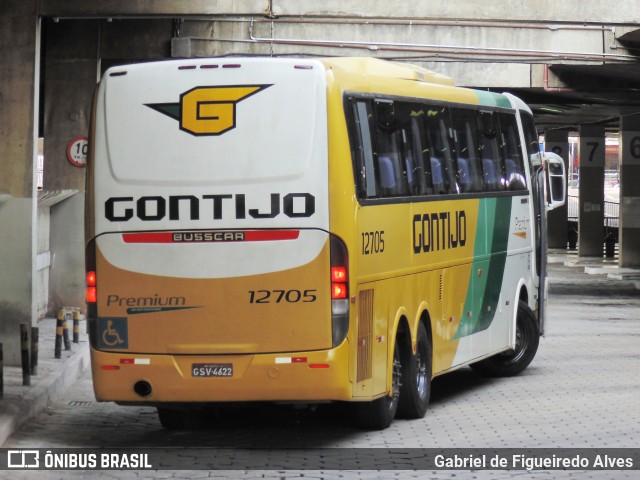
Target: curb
[(15, 413)]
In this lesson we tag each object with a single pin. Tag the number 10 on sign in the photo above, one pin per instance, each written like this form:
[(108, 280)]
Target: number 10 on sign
[(77, 150)]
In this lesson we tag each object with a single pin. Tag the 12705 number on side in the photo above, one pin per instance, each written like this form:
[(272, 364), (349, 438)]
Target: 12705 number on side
[(372, 242)]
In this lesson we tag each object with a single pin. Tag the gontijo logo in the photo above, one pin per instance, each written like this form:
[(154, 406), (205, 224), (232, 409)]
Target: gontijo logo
[(207, 110)]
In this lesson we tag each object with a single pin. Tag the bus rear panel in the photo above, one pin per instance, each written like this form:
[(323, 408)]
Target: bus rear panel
[(210, 248)]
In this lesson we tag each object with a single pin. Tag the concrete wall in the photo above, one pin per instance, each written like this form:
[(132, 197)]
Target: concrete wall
[(510, 40), (19, 44), (505, 45), (43, 261), (66, 281), (116, 8), (579, 11), (70, 75)]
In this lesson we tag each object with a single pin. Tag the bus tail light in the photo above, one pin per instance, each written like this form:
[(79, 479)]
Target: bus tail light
[(338, 291), (92, 292), (91, 280), (339, 274), (339, 279)]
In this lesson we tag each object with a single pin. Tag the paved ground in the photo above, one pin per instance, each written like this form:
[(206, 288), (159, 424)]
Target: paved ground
[(581, 391)]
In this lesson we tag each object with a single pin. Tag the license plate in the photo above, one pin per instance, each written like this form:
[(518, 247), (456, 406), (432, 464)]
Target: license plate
[(212, 370)]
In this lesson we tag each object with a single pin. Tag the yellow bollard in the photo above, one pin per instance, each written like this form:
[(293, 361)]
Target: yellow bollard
[(76, 325), (59, 321), (65, 328)]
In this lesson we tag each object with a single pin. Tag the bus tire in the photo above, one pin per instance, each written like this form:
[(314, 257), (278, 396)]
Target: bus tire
[(512, 362), (378, 414), (415, 387), (179, 418)]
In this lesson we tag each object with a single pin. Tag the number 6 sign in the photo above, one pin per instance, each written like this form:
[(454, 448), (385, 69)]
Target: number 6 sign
[(77, 151)]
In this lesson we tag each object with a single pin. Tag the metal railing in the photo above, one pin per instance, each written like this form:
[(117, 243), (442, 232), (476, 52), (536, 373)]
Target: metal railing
[(611, 222), (611, 211)]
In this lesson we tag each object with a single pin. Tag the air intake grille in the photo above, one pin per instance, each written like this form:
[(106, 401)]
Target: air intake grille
[(365, 334)]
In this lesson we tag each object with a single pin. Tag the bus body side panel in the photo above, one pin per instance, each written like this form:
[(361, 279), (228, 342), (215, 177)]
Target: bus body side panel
[(419, 256), (464, 260), (407, 264), (488, 318)]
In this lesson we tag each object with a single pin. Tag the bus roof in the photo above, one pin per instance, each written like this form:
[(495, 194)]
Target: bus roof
[(375, 67), (373, 75)]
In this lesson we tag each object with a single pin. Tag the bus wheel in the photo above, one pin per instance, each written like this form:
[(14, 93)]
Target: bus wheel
[(179, 418), (416, 378), (512, 362), (378, 414)]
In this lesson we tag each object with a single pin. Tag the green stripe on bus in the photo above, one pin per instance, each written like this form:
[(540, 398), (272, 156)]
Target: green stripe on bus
[(493, 99), (486, 275)]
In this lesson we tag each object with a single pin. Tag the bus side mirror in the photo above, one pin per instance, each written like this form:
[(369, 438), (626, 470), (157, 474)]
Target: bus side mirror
[(556, 179)]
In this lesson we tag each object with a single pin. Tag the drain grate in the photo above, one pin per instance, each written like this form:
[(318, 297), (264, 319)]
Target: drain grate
[(80, 404)]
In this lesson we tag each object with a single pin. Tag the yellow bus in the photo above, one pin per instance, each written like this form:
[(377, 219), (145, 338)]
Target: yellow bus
[(309, 231)]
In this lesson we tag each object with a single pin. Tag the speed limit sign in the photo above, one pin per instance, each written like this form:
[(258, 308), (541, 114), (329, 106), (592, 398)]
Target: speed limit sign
[(77, 151)]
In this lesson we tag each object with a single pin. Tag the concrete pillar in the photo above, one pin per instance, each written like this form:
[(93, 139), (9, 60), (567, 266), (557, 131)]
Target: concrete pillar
[(591, 191), (71, 73), (19, 51), (629, 226), (557, 141)]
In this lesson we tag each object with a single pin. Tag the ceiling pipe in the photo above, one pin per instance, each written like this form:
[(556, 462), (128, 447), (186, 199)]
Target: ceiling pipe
[(437, 23), (441, 49)]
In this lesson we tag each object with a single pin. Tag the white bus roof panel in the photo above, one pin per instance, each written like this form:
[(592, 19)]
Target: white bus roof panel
[(213, 121)]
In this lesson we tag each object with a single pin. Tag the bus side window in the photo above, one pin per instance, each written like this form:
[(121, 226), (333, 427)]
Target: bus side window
[(387, 143), (437, 148), (421, 160), (411, 169), (511, 149), (492, 173), (489, 174), (366, 178), (469, 171), (437, 175), (411, 172), (530, 134), (464, 175), (389, 172), (450, 170), (410, 143)]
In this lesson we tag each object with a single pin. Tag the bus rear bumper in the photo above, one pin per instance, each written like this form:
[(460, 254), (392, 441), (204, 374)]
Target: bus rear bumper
[(155, 379)]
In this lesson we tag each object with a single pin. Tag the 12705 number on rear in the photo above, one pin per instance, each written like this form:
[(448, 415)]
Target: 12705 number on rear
[(282, 296)]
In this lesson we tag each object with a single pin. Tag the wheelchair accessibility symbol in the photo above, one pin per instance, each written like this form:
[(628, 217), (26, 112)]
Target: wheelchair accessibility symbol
[(113, 333)]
